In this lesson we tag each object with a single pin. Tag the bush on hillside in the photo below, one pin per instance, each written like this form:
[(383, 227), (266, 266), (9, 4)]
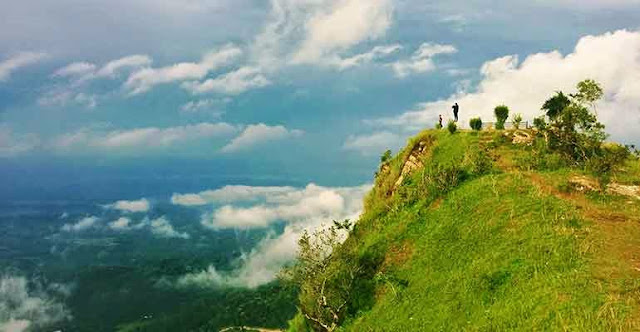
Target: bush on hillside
[(475, 124), (452, 127), (574, 131), (540, 123), (608, 160), (517, 120), (326, 280), (386, 156), (502, 114)]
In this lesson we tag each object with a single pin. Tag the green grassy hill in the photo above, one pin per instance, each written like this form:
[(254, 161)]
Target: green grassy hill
[(469, 231)]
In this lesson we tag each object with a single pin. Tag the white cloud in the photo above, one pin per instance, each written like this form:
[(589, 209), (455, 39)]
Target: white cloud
[(422, 60), (613, 59), (232, 83), (345, 24), (145, 79), (12, 144), (161, 227), (280, 204), (82, 225), (374, 143), (123, 223), (132, 61), (83, 71), (229, 194), (146, 137), (311, 31), (188, 200), (362, 58), (304, 209), (141, 205), (259, 134), (215, 106), (10, 65), (76, 69), (22, 309)]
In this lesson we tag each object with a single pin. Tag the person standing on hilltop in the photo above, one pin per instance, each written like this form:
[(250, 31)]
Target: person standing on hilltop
[(456, 108), (440, 121)]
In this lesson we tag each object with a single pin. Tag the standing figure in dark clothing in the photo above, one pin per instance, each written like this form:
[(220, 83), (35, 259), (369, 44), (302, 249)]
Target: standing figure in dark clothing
[(440, 121), (456, 108)]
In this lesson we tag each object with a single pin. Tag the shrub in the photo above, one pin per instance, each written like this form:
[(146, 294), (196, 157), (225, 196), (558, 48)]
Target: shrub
[(502, 114), (452, 127), (475, 124), (608, 160), (517, 120), (540, 123), (574, 130), (386, 156), (438, 126)]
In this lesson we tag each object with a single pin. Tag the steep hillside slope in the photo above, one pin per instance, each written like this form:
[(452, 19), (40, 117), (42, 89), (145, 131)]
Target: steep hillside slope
[(473, 232)]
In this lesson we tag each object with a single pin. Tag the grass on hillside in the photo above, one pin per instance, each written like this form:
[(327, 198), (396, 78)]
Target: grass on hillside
[(507, 249)]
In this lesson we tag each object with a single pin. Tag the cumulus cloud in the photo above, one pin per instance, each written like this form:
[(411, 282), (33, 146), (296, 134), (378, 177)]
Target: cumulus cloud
[(145, 79), (123, 223), (23, 308), (82, 224), (345, 24), (20, 60), (301, 209), (142, 137), (422, 60), (613, 59), (309, 32), (141, 205), (12, 144), (374, 143), (258, 134), (161, 227), (232, 83)]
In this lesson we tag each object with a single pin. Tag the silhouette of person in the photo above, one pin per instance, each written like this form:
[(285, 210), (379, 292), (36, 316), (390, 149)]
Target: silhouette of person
[(456, 108), (440, 120)]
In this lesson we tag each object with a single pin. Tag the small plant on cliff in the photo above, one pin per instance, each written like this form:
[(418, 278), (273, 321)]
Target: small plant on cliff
[(517, 120), (475, 123), (502, 114), (452, 127), (386, 156)]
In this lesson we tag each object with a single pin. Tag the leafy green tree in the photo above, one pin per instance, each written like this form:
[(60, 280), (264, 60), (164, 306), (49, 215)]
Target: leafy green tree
[(554, 106), (326, 280), (502, 114), (574, 130)]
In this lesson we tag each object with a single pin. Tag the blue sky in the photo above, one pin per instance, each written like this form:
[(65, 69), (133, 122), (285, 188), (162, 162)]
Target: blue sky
[(285, 91)]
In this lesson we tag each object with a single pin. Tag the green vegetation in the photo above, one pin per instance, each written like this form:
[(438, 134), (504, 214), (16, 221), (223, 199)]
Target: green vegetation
[(452, 127), (475, 124), (486, 234), (517, 120), (502, 114), (386, 156)]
